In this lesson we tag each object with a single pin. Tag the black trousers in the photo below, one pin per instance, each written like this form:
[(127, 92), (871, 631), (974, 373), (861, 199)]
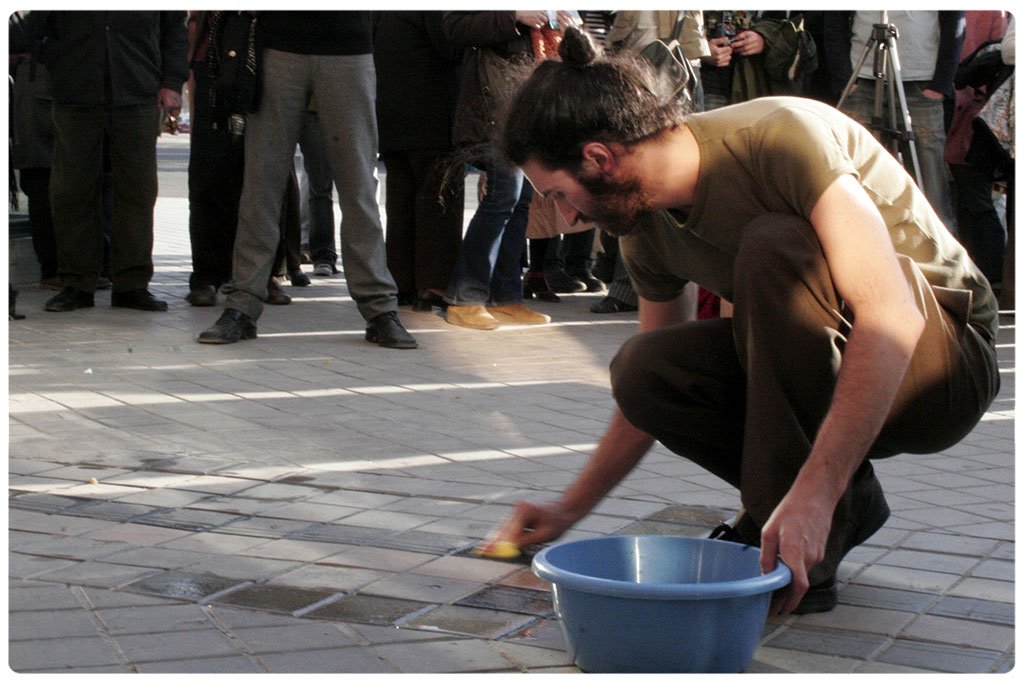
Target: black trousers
[(744, 397), (424, 219), (215, 167)]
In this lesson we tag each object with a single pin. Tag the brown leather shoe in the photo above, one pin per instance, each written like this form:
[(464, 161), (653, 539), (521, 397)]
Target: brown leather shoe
[(474, 317), (276, 295), (519, 313)]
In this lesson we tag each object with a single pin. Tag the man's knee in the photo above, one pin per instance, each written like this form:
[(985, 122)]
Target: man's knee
[(631, 377)]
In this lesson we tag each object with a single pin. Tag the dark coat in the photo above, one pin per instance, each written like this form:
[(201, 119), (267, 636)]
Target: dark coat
[(147, 51), (498, 31), (417, 81)]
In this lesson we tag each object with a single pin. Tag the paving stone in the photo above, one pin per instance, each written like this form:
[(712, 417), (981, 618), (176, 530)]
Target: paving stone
[(864, 619), (34, 597), (295, 637), (939, 657), (770, 660), (955, 631), (885, 598), (102, 574), (482, 623), (329, 577), (71, 548), (546, 633), (114, 512), (454, 656), (334, 660), (525, 578), (184, 585), (419, 587), (384, 559), (834, 643), (138, 534), (970, 609), (40, 625), (422, 541), (984, 589), (523, 601), (929, 561), (44, 502), (176, 645), (237, 664), (188, 520), (284, 599), (466, 568), (68, 654), (907, 578), (335, 533), (369, 609), (153, 618)]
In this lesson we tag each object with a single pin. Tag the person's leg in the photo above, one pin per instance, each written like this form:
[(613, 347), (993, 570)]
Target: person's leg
[(439, 212), (744, 397), (322, 251), (271, 134), (35, 183), (345, 89), (470, 284), (75, 193), (978, 224), (579, 249), (400, 206), (791, 350), (507, 276)]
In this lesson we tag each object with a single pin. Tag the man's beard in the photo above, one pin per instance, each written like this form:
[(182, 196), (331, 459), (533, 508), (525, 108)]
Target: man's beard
[(618, 206)]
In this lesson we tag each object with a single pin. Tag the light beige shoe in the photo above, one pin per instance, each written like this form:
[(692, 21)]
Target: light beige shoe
[(519, 313), (475, 317)]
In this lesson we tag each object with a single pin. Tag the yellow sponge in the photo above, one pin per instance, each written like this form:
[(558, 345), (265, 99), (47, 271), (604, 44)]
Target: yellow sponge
[(502, 550)]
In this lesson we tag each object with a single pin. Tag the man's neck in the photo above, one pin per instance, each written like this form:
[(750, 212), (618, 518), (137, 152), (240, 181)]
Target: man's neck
[(669, 166)]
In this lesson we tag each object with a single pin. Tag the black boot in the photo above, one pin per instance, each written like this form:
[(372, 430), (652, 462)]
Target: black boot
[(70, 299), (231, 327), (139, 299)]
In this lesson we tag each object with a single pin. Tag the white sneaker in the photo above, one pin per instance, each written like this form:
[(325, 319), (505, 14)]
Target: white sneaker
[(323, 269)]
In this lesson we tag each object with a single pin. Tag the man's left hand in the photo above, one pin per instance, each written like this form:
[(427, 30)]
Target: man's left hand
[(796, 533), (933, 94)]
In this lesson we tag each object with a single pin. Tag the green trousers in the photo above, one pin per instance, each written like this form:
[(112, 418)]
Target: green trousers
[(80, 133)]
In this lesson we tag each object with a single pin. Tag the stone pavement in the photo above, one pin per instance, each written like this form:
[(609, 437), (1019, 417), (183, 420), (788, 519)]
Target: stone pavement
[(305, 502)]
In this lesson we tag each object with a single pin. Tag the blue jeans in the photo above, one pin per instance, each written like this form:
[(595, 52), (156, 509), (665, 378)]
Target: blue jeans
[(926, 118), (489, 267)]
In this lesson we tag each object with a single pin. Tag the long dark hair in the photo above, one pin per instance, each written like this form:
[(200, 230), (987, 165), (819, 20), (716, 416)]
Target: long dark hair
[(585, 97)]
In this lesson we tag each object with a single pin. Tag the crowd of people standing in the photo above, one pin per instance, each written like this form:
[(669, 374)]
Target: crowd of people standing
[(422, 93)]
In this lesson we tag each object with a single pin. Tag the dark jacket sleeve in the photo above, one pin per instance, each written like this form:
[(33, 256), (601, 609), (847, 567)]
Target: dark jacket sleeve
[(443, 46), (173, 50), (951, 40), (838, 36)]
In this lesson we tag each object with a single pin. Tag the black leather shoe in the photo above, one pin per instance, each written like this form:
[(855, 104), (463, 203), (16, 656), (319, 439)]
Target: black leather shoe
[(230, 327), (70, 299), (298, 278), (276, 295), (139, 299), (202, 296), (387, 330)]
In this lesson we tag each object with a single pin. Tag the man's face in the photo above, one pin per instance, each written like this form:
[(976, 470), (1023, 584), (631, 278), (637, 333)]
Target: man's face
[(614, 204)]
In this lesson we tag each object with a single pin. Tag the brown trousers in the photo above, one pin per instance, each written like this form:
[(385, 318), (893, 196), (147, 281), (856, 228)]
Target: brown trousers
[(744, 397)]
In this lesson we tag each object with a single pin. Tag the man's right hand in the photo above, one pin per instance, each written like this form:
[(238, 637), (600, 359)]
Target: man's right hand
[(532, 523), (721, 53)]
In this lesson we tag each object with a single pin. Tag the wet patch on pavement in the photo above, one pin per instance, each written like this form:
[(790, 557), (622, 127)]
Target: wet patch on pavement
[(369, 609)]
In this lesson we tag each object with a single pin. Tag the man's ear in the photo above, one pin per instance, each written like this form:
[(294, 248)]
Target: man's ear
[(599, 157)]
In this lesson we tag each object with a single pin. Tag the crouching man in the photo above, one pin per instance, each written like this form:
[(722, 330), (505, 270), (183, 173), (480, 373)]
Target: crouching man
[(861, 327)]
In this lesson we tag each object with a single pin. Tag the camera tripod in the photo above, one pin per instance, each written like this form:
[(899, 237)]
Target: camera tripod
[(895, 133)]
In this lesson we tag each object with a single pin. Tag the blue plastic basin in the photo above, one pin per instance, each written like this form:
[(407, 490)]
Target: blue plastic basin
[(659, 604)]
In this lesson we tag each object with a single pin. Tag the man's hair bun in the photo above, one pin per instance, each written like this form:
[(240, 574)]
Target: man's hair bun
[(577, 47)]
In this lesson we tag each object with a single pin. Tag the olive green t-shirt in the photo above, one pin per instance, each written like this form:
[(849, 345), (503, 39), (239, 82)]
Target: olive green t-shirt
[(778, 155)]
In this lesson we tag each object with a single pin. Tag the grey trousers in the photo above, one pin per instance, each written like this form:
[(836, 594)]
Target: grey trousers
[(345, 88), (744, 397)]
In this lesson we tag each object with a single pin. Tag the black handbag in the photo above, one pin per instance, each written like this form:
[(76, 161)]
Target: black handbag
[(675, 69)]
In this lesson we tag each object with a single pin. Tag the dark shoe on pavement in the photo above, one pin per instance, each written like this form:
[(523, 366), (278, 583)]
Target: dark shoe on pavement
[(387, 330), (427, 299), (610, 304), (563, 283), (592, 284), (70, 299), (231, 327), (202, 296), (276, 295), (298, 278), (139, 299), (537, 285)]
